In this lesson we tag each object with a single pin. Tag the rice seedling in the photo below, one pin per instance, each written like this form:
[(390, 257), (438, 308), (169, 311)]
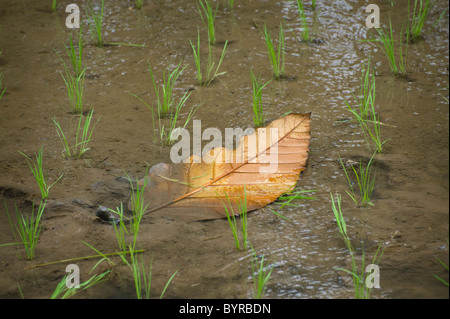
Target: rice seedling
[(232, 221), (38, 173), (398, 67), (64, 292), (168, 134), (371, 128), (138, 4), (365, 181), (138, 206), (143, 277), (313, 4), (261, 275), (439, 19), (365, 114), (419, 15), (439, 278), (75, 55), (287, 198), (165, 102), (95, 23), (205, 78), (258, 111), (305, 29), (167, 107), (54, 6), (209, 18), (366, 92), (28, 228), (361, 289), (120, 228), (75, 87), (230, 4), (83, 136), (74, 81), (276, 54)]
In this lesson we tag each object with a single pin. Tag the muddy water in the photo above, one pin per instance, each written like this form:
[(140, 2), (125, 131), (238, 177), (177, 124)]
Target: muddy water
[(410, 215)]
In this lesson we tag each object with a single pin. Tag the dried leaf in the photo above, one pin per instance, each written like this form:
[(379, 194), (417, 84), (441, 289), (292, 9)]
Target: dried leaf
[(268, 163)]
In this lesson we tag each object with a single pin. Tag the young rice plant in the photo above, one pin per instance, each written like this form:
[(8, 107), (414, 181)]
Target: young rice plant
[(205, 78), (232, 221), (361, 289), (38, 173), (258, 111), (365, 181), (27, 227), (276, 54), (83, 136)]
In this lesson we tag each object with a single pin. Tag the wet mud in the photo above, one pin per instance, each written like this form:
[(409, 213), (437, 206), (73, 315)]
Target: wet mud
[(410, 216)]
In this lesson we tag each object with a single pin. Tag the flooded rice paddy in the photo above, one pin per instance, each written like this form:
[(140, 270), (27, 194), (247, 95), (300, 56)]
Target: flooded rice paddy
[(410, 215)]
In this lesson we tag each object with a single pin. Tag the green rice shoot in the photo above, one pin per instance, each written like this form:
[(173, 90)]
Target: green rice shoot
[(212, 70), (305, 29), (261, 275), (365, 181), (27, 228), (208, 16), (83, 136), (95, 23), (276, 53), (232, 220), (38, 173), (258, 111), (361, 290)]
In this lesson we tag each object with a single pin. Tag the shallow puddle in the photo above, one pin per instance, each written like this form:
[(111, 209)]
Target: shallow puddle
[(410, 216)]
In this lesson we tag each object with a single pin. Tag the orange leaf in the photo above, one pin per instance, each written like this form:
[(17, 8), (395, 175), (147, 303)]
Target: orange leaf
[(268, 163)]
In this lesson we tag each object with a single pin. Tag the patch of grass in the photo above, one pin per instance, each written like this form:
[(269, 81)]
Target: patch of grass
[(208, 18), (28, 228), (166, 107), (258, 111), (365, 114), (366, 93), (261, 275), (83, 136), (205, 78), (420, 14), (232, 221), (95, 23), (38, 173), (63, 292), (74, 81), (165, 101), (398, 67), (276, 53), (121, 229), (138, 206), (293, 194), (305, 29), (75, 53), (143, 277), (365, 181), (138, 4), (439, 278), (361, 290)]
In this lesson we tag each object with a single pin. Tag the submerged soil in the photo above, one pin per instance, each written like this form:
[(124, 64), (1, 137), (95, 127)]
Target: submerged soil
[(410, 216)]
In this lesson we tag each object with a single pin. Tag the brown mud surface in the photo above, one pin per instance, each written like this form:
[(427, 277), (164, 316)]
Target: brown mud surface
[(411, 205)]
